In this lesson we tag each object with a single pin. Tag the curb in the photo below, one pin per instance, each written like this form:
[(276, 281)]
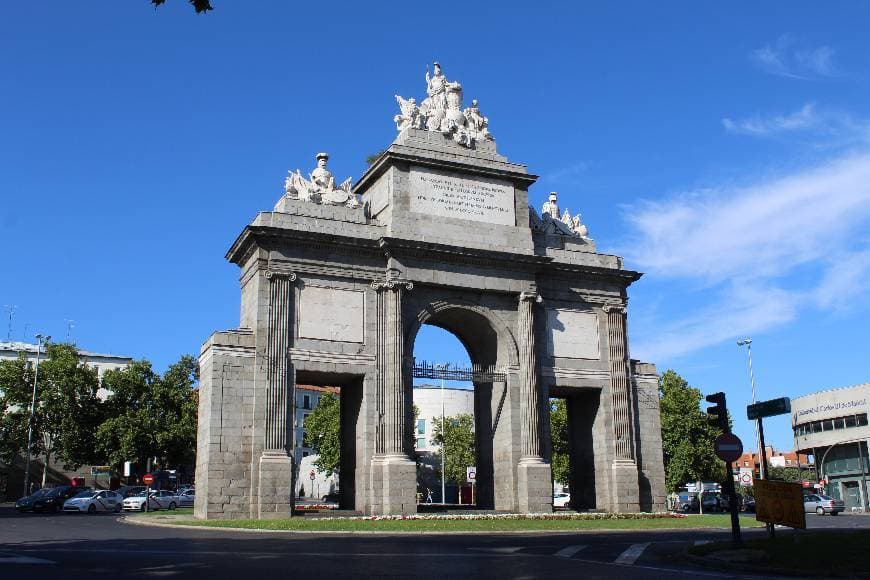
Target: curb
[(133, 520), (748, 568)]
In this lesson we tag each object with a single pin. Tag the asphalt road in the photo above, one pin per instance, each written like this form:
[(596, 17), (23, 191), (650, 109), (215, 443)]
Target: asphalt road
[(68, 546)]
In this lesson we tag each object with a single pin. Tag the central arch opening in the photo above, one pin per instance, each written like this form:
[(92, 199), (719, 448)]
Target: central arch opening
[(455, 340)]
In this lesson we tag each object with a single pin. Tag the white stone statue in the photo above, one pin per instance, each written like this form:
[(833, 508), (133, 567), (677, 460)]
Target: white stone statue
[(441, 111), (321, 187), (551, 207), (566, 218), (578, 228)]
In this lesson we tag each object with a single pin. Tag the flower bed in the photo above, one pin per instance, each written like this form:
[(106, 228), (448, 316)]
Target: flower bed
[(315, 507), (541, 516)]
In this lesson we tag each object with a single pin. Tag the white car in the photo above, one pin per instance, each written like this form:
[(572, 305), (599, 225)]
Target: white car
[(187, 498), (561, 500), (156, 500), (93, 501)]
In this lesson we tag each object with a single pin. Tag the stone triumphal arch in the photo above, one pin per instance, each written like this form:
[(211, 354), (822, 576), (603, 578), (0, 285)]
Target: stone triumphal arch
[(336, 281)]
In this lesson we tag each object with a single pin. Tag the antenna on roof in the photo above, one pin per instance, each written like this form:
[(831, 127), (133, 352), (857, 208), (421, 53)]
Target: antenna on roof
[(10, 308)]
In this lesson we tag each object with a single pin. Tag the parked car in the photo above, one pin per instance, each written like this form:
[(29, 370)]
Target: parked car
[(749, 504), (561, 500), (187, 498), (126, 491), (822, 504), (26, 503), (157, 500), (93, 502), (50, 500)]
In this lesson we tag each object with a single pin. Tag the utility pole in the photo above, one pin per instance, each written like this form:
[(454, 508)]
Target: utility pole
[(40, 341), (69, 327), (443, 439), (762, 469)]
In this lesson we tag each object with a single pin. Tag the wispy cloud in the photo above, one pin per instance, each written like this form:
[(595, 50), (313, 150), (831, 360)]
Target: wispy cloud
[(783, 58), (824, 126), (744, 246), (570, 175)]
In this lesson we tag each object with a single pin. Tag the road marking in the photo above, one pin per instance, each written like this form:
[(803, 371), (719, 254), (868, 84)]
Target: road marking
[(702, 542), (568, 551), (631, 555), (7, 558), (504, 550)]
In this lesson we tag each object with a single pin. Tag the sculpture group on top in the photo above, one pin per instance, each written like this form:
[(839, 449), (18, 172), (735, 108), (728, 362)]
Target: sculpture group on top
[(564, 224), (320, 187), (441, 111)]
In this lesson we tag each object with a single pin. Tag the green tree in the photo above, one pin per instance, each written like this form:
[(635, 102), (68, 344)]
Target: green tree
[(323, 427), (67, 411), (456, 437), (687, 434), (791, 474), (152, 415), (559, 437), (199, 5)]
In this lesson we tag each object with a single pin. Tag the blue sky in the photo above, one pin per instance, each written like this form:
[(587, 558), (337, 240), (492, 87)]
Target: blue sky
[(723, 150)]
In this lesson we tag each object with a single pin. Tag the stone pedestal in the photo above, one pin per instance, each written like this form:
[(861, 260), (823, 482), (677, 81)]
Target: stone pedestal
[(275, 493), (534, 486), (394, 479), (624, 487)]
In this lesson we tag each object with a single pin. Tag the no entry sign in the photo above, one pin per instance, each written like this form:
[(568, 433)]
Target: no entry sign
[(728, 447), (147, 479)]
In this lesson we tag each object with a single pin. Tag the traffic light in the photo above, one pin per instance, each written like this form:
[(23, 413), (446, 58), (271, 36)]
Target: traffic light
[(718, 413)]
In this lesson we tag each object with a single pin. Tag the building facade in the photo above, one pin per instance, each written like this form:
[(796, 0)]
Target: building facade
[(832, 425)]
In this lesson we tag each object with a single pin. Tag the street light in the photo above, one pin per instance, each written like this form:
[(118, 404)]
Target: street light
[(40, 341), (443, 368), (762, 469)]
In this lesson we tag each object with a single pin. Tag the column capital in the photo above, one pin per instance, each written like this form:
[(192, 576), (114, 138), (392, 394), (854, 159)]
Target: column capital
[(531, 296), (391, 284), (286, 274), (618, 308)]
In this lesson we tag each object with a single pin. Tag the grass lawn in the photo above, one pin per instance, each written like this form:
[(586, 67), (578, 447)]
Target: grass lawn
[(822, 553), (504, 525), (188, 511)]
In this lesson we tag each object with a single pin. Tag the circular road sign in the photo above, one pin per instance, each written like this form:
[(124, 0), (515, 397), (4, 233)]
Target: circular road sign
[(147, 479), (311, 475), (728, 447)]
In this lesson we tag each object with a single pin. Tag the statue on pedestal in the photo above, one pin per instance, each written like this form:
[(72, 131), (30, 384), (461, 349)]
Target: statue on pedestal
[(321, 187)]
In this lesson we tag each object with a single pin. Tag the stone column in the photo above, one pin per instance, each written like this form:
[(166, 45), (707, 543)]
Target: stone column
[(625, 488), (394, 477), (534, 485), (276, 462)]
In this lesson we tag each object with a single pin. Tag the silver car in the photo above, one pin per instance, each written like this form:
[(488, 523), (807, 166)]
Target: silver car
[(187, 497), (822, 504), (93, 502)]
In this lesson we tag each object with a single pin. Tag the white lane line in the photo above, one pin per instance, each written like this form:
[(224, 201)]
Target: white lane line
[(702, 542), (631, 555), (7, 558), (505, 550), (568, 551)]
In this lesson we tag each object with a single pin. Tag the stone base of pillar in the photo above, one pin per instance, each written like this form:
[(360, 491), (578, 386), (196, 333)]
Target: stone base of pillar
[(394, 485), (625, 490), (275, 492), (534, 486)]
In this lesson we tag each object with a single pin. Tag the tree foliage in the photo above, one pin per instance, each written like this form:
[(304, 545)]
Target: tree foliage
[(152, 416), (456, 437), (199, 5), (687, 434), (559, 436), (791, 474), (323, 427), (67, 410)]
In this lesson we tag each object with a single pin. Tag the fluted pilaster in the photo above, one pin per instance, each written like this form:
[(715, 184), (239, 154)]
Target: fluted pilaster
[(278, 395), (619, 386), (391, 345), (529, 402)]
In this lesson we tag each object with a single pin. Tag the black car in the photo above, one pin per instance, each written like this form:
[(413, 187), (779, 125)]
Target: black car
[(25, 504), (52, 500)]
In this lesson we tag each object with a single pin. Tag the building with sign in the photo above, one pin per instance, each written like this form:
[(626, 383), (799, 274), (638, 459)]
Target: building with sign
[(833, 426), (747, 468)]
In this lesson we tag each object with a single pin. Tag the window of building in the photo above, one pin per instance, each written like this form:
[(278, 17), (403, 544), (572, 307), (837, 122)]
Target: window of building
[(305, 442), (840, 423), (861, 419), (817, 426), (305, 454), (305, 418), (851, 421), (421, 426), (306, 401), (745, 464), (828, 425), (421, 442)]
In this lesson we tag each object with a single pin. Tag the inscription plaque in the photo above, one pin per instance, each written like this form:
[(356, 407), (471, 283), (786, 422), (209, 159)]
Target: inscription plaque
[(332, 314), (467, 198)]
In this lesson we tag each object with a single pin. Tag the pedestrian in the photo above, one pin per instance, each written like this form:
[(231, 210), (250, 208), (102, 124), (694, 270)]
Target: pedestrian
[(428, 495)]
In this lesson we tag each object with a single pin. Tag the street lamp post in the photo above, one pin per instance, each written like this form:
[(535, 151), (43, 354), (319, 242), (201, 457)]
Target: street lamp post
[(40, 341), (762, 469), (443, 438)]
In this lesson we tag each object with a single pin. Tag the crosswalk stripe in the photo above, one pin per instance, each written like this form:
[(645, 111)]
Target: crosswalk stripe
[(568, 551), (6, 558), (504, 550), (701, 542), (630, 555)]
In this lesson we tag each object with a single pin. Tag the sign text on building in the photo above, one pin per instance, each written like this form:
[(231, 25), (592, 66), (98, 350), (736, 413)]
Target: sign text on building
[(443, 195)]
